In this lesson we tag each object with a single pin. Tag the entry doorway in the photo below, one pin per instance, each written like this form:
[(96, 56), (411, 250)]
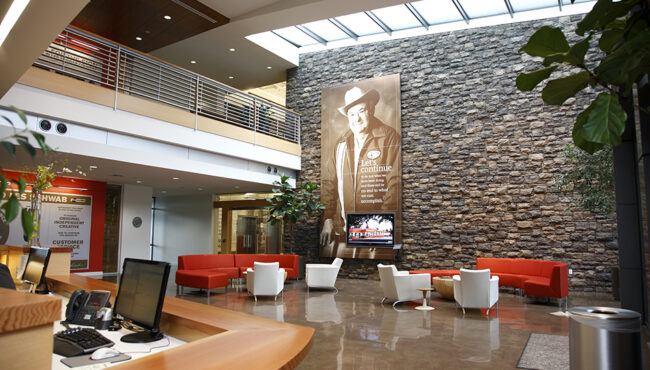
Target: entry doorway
[(241, 227)]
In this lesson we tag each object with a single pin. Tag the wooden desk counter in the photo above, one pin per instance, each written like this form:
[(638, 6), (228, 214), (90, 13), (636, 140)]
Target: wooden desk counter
[(25, 324), (217, 338)]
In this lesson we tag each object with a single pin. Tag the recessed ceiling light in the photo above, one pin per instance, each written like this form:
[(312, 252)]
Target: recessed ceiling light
[(268, 67), (193, 61), (230, 77), (167, 17), (164, 192), (138, 38), (236, 186), (175, 178), (200, 189), (232, 49), (92, 167), (138, 181)]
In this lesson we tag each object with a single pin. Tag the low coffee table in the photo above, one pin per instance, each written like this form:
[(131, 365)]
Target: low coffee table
[(424, 306), (444, 287)]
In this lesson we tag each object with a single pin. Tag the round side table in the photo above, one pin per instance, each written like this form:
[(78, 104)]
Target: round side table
[(424, 306)]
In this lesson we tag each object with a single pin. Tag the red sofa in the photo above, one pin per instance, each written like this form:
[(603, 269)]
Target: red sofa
[(203, 270), (289, 262), (536, 277)]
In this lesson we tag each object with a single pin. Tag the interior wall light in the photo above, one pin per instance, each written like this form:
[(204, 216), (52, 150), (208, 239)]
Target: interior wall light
[(167, 17), (193, 61), (9, 21), (138, 38), (232, 49)]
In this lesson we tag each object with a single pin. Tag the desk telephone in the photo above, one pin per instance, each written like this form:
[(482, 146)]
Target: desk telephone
[(83, 306)]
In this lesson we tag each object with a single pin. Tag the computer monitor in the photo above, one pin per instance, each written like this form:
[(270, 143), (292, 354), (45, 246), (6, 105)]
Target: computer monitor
[(35, 269), (140, 297)]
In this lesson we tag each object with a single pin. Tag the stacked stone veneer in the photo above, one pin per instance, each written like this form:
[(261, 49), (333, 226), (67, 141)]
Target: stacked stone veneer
[(479, 157)]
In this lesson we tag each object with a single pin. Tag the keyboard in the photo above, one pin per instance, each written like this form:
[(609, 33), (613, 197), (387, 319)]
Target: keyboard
[(78, 341)]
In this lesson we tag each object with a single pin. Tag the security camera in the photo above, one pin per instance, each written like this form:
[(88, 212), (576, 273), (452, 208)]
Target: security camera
[(268, 169), (45, 125), (61, 128)]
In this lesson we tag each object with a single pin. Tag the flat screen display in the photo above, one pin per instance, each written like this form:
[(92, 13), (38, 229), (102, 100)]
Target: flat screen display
[(142, 291), (36, 265), (370, 229)]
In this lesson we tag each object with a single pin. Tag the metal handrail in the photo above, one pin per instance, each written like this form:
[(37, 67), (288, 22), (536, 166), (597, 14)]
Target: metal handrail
[(86, 57)]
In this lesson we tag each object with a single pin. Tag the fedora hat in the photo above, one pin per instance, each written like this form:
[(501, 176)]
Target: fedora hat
[(357, 95)]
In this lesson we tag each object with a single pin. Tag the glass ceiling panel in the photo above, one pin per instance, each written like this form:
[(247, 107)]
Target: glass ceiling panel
[(483, 8), (360, 24), (397, 17), (296, 36), (326, 30), (568, 2), (438, 11), (524, 5)]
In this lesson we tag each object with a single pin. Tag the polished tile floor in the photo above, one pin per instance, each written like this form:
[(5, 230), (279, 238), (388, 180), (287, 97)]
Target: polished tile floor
[(355, 331)]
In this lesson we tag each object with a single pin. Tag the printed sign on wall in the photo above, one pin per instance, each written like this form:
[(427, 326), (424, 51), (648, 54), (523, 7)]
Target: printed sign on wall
[(361, 169), (65, 221)]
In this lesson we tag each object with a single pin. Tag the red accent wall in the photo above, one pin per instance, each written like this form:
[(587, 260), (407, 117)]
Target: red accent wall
[(98, 191)]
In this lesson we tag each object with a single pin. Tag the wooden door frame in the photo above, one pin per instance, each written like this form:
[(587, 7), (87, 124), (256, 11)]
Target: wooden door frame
[(226, 217)]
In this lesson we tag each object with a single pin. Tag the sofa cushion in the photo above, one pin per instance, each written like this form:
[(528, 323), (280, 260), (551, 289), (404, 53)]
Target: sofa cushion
[(202, 279), (232, 272), (512, 280)]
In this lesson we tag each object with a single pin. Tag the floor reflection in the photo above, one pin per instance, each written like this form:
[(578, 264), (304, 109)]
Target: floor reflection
[(354, 331)]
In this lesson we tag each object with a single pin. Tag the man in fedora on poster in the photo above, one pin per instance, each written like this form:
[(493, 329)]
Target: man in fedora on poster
[(364, 167)]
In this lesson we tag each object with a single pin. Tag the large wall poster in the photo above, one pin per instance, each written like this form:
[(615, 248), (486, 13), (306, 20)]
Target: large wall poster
[(65, 221), (361, 160)]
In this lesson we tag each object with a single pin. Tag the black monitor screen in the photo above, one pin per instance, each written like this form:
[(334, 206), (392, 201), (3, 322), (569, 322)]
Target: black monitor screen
[(370, 229), (142, 292), (36, 265)]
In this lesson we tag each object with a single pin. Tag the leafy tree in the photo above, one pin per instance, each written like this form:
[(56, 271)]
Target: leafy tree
[(11, 207), (291, 204), (623, 34), (589, 178)]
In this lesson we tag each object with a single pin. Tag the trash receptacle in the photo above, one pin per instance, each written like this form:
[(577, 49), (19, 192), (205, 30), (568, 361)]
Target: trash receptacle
[(604, 338)]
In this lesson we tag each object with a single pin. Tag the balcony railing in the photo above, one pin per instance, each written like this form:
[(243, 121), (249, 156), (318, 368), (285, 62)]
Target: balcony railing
[(77, 54)]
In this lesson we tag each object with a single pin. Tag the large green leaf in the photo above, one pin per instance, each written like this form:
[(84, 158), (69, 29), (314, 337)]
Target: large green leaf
[(528, 81), (609, 38), (604, 12), (575, 56), (559, 90), (11, 207), (546, 41), (28, 223), (627, 63), (21, 184), (11, 148), (601, 123)]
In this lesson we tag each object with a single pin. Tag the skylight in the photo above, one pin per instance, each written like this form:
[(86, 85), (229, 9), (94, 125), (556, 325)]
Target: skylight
[(410, 19)]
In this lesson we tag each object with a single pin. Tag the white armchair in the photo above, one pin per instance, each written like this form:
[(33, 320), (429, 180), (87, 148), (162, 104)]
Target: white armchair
[(475, 289), (265, 279), (400, 286), (323, 275)]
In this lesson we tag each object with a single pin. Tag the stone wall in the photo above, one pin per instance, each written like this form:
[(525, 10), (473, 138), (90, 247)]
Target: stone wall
[(479, 157)]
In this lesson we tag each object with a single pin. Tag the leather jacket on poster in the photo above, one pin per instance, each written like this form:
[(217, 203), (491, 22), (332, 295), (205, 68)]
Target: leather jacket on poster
[(374, 187)]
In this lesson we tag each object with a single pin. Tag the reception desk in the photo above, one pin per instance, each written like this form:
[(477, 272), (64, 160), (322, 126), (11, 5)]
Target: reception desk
[(217, 338), (26, 324), (59, 259)]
